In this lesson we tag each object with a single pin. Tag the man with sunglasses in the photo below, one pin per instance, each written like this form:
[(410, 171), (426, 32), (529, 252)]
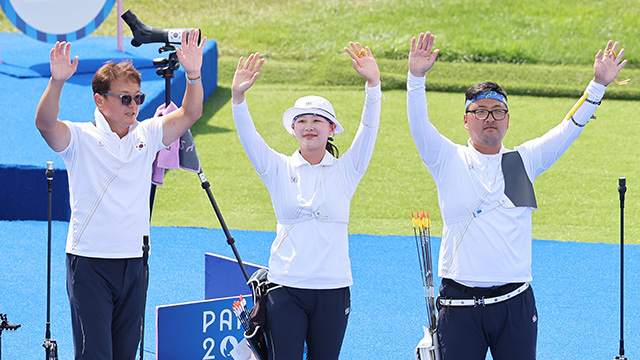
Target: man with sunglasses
[(486, 199), (109, 162)]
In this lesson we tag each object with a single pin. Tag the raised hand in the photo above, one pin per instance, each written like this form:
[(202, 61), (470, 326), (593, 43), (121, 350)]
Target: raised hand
[(60, 61), (190, 55), (421, 58), (607, 64), (245, 76), (364, 63)]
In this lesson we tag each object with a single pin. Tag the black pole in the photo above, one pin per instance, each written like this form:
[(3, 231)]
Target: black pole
[(167, 72), (50, 346), (207, 187), (167, 89), (622, 189), (145, 264)]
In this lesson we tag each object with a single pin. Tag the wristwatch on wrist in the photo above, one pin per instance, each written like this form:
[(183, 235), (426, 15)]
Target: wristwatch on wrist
[(194, 81)]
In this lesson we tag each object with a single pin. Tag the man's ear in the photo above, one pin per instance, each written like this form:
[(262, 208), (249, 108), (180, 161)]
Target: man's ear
[(99, 99), (466, 122)]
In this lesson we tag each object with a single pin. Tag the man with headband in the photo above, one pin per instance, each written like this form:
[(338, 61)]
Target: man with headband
[(486, 198)]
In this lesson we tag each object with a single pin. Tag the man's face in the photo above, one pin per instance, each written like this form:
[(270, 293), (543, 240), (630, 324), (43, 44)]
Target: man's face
[(119, 116), (487, 134)]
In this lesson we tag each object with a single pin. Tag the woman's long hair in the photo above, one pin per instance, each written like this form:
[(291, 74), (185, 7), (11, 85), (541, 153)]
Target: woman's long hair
[(332, 149)]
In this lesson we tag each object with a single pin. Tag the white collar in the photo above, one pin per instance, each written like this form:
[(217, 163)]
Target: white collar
[(103, 125), (298, 160), (478, 153)]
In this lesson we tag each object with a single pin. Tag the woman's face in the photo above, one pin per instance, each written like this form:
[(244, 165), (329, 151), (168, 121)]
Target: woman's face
[(312, 131)]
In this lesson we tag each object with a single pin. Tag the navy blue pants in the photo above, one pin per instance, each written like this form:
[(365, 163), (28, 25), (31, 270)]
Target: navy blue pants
[(318, 317), (106, 297), (509, 328)]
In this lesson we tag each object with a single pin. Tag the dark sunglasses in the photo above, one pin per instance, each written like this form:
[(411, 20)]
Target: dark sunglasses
[(126, 99)]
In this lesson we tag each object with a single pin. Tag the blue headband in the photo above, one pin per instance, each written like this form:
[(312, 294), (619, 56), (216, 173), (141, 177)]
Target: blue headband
[(487, 95), (314, 114), (322, 116)]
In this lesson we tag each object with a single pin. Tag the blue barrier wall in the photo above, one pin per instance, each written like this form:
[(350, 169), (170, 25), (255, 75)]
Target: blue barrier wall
[(24, 75)]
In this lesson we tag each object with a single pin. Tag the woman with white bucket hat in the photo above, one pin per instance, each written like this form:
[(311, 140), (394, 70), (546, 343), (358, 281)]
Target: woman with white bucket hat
[(311, 193)]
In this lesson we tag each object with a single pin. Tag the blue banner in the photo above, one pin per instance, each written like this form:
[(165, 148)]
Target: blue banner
[(198, 330)]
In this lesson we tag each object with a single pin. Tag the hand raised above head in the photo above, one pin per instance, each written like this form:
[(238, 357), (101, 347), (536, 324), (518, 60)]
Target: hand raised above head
[(421, 57), (245, 76), (190, 53), (364, 63), (608, 64), (60, 61)]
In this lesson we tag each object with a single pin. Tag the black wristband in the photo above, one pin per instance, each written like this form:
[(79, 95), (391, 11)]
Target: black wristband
[(575, 122), (593, 102)]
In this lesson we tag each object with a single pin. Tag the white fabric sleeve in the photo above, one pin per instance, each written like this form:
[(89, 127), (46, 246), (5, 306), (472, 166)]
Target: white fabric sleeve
[(542, 152), (257, 150), (155, 130), (426, 137), (586, 110), (361, 149)]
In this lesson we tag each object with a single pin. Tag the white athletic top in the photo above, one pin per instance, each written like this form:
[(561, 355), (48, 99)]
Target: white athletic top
[(494, 246), (109, 184), (311, 202)]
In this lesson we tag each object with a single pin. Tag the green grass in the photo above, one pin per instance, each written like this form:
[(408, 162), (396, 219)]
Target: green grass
[(540, 51), (578, 197), (303, 40)]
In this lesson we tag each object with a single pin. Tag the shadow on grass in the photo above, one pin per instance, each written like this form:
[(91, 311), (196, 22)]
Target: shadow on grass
[(220, 97)]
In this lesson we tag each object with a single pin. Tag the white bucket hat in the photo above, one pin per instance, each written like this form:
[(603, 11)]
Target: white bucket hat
[(314, 105)]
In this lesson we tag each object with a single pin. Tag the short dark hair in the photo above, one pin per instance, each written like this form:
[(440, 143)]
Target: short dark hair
[(112, 71), (482, 87)]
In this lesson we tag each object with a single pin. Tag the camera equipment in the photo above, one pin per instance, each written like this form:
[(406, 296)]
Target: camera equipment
[(622, 188), (50, 346), (144, 34), (4, 325)]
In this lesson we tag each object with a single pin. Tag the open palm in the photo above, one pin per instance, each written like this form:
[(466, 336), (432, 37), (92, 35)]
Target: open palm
[(245, 76), (421, 57), (60, 61)]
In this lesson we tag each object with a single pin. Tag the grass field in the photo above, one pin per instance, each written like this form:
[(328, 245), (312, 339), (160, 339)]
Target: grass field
[(540, 51), (578, 197)]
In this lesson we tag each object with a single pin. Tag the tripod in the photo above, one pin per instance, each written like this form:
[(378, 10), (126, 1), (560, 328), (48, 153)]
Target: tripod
[(168, 72), (50, 346), (622, 189), (167, 68), (4, 325)]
